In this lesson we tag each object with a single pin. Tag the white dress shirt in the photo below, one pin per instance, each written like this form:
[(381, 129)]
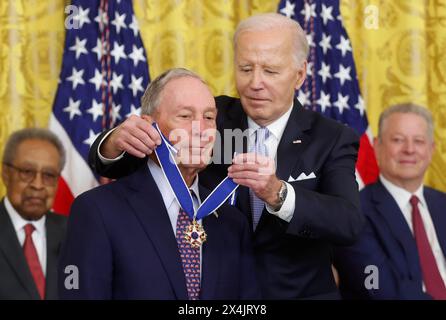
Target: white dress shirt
[(276, 130), (170, 202), (402, 198), (38, 236)]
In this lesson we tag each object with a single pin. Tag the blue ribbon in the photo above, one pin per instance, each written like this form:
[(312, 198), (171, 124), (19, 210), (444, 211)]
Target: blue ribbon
[(173, 175)]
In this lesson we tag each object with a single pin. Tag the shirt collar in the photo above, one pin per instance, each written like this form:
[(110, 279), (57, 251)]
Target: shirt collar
[(164, 186), (402, 196), (19, 222), (276, 128)]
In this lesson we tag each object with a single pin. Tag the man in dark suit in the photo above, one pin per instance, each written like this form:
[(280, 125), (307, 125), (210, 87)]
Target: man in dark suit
[(404, 242), (308, 204), (30, 234), (125, 239)]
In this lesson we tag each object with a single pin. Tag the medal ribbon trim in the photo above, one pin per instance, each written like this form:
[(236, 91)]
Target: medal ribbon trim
[(176, 182)]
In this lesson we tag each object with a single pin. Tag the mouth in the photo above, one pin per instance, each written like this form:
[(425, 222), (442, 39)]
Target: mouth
[(34, 201)]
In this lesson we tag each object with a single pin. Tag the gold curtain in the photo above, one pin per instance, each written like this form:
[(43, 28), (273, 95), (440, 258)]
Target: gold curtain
[(403, 59), (399, 61)]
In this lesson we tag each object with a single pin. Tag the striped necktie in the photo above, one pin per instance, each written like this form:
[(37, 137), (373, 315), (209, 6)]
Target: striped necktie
[(260, 148)]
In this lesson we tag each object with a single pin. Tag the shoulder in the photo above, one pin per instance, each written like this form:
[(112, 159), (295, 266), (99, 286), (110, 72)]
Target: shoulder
[(57, 218), (323, 125), (434, 193)]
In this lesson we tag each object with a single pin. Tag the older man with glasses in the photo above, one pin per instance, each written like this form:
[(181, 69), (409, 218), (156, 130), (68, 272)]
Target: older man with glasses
[(30, 234)]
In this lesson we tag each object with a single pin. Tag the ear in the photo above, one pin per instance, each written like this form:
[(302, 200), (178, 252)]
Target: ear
[(301, 75)]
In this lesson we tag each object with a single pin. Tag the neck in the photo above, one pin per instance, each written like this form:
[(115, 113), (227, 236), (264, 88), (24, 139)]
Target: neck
[(408, 185), (188, 174)]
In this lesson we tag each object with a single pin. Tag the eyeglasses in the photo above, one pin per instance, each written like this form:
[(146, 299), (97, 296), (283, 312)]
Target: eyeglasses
[(27, 175)]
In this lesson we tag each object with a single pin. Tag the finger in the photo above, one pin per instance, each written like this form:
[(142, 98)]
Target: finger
[(246, 174), (147, 118), (142, 136), (133, 151), (252, 158), (246, 182)]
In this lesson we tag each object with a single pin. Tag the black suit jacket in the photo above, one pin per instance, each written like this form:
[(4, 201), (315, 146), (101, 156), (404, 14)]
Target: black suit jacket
[(293, 260), (16, 281)]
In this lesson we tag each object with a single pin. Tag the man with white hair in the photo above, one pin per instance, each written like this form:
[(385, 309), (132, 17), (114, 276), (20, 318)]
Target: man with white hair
[(405, 234), (310, 202)]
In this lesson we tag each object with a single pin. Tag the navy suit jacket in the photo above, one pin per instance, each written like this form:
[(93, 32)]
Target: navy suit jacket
[(120, 238), (388, 243), (293, 260)]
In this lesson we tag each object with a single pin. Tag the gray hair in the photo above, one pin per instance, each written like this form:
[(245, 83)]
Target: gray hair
[(17, 137), (267, 21), (151, 98), (407, 107)]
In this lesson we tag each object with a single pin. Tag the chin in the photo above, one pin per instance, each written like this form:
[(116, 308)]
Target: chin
[(33, 214)]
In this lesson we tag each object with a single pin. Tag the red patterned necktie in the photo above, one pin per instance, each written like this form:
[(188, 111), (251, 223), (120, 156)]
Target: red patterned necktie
[(431, 275), (33, 260), (190, 257)]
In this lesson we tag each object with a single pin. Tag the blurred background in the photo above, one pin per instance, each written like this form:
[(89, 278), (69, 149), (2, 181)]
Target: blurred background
[(399, 57)]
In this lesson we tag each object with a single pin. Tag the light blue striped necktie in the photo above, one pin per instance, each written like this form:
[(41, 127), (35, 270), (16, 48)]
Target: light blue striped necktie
[(260, 148)]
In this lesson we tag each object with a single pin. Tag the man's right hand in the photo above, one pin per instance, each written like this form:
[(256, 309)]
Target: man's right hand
[(135, 136)]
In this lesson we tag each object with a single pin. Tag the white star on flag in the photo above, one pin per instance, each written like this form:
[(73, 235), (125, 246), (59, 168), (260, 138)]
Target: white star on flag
[(118, 52), (324, 101), (96, 110), (98, 49), (76, 78), (136, 85), (119, 22), (343, 74), (96, 80), (134, 25), (304, 98), (82, 16), (73, 108), (115, 113), (324, 72), (344, 45), (92, 137), (137, 55), (79, 47), (309, 11), (288, 10), (116, 82), (360, 106), (133, 111), (325, 43), (342, 102), (326, 14)]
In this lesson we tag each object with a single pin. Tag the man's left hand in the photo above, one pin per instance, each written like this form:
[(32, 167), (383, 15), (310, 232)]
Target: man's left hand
[(258, 173)]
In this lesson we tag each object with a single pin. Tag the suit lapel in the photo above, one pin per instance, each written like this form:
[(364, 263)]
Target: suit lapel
[(389, 210), (290, 150), (13, 253), (147, 203), (436, 207), (54, 236)]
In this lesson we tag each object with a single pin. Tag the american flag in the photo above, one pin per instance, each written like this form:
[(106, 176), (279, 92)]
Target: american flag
[(104, 74), (332, 87)]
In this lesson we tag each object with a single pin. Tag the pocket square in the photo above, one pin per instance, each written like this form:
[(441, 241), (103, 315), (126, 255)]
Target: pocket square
[(302, 176)]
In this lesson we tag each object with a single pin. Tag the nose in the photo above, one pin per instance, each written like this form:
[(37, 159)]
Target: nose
[(409, 146), (37, 182), (256, 81)]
